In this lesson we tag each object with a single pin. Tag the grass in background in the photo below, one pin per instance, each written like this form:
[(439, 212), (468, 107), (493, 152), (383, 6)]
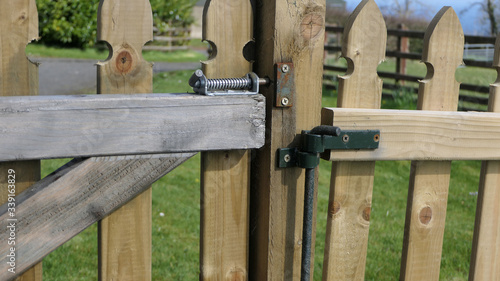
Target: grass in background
[(464, 74), (40, 50), (176, 217)]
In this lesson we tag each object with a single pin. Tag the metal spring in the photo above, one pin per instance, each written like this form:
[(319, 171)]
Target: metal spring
[(229, 83)]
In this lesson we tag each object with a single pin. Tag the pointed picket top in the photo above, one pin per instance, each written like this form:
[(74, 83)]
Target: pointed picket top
[(18, 27), (443, 54), (227, 26), (126, 25), (363, 46)]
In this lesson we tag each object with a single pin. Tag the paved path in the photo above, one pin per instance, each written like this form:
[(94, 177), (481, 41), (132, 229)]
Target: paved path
[(73, 76)]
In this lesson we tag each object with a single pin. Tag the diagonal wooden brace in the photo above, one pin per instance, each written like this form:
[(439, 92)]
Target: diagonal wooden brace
[(63, 204)]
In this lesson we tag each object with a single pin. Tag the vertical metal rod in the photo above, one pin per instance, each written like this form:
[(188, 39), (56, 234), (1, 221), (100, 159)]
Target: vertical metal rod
[(307, 226)]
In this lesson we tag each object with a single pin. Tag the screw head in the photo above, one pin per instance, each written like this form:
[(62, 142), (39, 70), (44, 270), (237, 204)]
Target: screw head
[(285, 101), (345, 138), (285, 68), (287, 158)]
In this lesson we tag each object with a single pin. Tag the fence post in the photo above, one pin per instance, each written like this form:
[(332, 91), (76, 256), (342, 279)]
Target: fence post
[(429, 180), (364, 45), (225, 175), (286, 32), (403, 47), (18, 77), (125, 235), (486, 243)]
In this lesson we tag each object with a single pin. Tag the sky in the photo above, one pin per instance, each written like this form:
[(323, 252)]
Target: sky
[(471, 18)]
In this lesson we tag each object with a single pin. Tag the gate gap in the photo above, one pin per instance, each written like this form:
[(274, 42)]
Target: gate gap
[(390, 192), (460, 217), (176, 223)]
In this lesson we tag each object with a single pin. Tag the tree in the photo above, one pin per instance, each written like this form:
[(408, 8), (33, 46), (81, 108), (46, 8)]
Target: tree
[(406, 9), (489, 7)]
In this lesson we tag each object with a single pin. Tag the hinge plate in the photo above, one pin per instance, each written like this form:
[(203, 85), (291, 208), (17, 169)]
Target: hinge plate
[(285, 85), (308, 154)]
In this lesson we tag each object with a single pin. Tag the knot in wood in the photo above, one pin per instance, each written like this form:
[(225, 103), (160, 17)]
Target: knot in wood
[(311, 26), (22, 17), (366, 213), (236, 274), (425, 215), (124, 62), (334, 208)]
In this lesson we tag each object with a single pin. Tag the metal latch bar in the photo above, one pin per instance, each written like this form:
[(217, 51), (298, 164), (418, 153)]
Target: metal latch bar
[(314, 142)]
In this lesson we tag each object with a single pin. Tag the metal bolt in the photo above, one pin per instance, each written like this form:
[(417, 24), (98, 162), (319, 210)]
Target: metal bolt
[(345, 138), (285, 68), (287, 158), (285, 101)]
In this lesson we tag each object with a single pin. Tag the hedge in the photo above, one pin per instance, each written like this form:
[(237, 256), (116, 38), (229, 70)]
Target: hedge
[(73, 23)]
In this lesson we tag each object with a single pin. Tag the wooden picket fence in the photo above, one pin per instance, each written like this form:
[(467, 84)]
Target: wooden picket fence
[(430, 138), (246, 233), (478, 52), (172, 39)]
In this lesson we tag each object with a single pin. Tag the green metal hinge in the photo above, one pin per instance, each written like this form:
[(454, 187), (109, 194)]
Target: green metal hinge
[(326, 138)]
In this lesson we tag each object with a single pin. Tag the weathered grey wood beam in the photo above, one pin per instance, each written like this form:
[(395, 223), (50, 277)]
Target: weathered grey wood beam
[(63, 204), (97, 125)]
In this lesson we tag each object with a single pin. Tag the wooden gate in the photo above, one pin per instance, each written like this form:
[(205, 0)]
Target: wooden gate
[(251, 218), (431, 138)]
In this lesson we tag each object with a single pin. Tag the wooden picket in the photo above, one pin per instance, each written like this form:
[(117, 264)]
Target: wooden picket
[(125, 236), (486, 242), (225, 175), (18, 77), (352, 182), (429, 181)]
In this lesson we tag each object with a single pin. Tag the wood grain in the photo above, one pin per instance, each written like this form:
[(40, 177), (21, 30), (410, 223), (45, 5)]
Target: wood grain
[(351, 187), (429, 181), (286, 32), (486, 242), (18, 77), (63, 204), (225, 175), (96, 125), (421, 135), (125, 236)]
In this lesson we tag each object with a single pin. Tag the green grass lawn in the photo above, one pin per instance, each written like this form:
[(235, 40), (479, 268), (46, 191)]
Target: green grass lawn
[(39, 50), (406, 100), (176, 217)]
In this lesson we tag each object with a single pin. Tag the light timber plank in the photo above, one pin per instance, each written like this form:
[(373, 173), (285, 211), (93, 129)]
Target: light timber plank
[(286, 31), (225, 175), (429, 181), (125, 236), (351, 187), (18, 76), (421, 135), (95, 125), (63, 204), (485, 256)]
